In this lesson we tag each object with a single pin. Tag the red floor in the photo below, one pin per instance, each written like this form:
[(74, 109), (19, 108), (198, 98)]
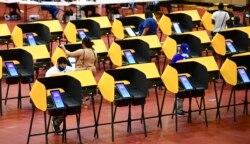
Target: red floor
[(14, 123)]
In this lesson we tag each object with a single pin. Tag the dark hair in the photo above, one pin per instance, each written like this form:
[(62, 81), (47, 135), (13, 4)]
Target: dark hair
[(62, 60), (87, 42), (221, 6), (236, 19), (148, 13)]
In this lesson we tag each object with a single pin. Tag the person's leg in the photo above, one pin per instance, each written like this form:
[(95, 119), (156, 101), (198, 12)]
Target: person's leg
[(56, 122), (180, 106)]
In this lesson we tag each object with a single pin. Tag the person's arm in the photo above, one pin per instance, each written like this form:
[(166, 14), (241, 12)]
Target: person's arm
[(76, 53), (146, 26), (145, 31), (213, 17)]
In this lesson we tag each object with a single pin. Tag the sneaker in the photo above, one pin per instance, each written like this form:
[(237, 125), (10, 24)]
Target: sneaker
[(181, 113), (55, 128)]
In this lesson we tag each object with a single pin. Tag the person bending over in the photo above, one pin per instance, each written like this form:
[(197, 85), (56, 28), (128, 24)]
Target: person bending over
[(149, 26), (53, 10)]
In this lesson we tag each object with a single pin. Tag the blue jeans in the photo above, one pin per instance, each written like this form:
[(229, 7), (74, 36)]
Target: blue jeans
[(53, 10)]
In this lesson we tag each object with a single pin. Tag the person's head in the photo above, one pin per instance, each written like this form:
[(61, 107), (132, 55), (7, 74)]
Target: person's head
[(62, 63), (221, 6), (236, 20), (148, 14), (184, 48), (247, 7), (87, 43)]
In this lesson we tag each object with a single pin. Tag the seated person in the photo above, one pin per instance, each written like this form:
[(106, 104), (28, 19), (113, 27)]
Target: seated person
[(88, 9), (61, 67), (237, 22), (53, 10), (183, 53), (149, 26)]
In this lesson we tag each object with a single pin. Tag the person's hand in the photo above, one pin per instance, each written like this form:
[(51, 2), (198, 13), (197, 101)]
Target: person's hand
[(62, 47)]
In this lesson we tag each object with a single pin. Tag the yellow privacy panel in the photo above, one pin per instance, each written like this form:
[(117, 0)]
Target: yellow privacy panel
[(57, 53), (117, 29), (4, 30), (165, 25), (99, 46), (207, 21), (70, 32), (38, 95), (169, 48), (106, 86), (229, 72), (85, 77), (170, 79), (115, 54), (17, 36), (219, 44)]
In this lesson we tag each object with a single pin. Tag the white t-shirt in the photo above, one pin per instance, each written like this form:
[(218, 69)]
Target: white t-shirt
[(54, 70), (220, 17)]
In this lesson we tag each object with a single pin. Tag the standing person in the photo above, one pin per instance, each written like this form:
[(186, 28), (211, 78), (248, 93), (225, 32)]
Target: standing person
[(219, 19), (86, 58), (183, 53), (53, 10), (61, 67), (149, 26)]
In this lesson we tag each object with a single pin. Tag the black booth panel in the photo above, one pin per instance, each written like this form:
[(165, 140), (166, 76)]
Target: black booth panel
[(71, 97), (137, 87), (239, 38), (40, 29), (198, 72), (73, 47), (194, 43), (242, 61), (131, 20), (93, 27), (25, 68), (184, 20), (140, 47), (67, 83)]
